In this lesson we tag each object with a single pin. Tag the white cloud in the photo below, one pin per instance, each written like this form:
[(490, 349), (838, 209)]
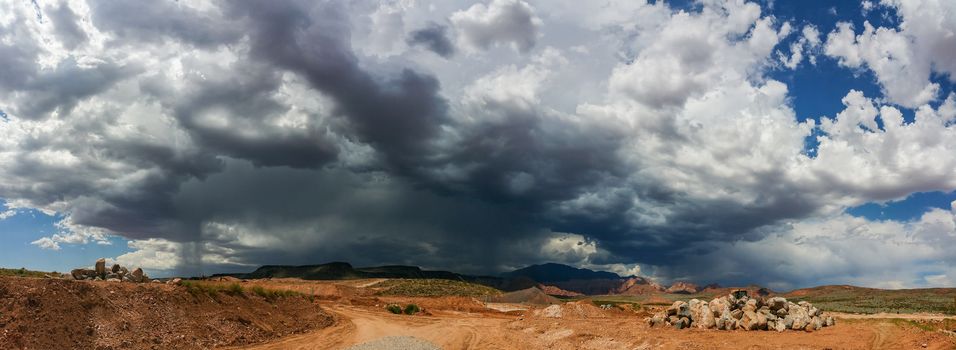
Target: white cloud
[(647, 131), (46, 243), (903, 58), (502, 22), (6, 214)]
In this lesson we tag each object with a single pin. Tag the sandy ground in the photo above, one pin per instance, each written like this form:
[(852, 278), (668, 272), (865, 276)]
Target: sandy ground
[(40, 314), (462, 330)]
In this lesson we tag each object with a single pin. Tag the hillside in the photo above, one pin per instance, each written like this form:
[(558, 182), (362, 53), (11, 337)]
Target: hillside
[(53, 313), (853, 299), (342, 270)]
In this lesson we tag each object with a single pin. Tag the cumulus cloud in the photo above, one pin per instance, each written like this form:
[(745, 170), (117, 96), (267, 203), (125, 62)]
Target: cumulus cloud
[(501, 22), (218, 137), (903, 58)]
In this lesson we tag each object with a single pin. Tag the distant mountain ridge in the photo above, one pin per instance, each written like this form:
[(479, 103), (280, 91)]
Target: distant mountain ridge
[(557, 279), (343, 270), (552, 272)]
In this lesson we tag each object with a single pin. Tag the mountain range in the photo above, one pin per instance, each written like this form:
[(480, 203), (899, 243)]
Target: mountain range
[(555, 279)]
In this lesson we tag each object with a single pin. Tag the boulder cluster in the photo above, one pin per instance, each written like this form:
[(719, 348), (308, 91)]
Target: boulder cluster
[(741, 312), (116, 273)]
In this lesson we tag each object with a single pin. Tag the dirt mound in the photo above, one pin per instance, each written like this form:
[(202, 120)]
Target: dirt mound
[(62, 314), (531, 296), (577, 309)]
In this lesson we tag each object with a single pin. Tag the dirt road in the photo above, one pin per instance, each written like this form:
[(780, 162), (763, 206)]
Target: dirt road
[(356, 325)]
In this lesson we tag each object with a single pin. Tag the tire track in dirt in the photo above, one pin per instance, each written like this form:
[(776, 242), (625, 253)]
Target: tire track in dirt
[(355, 326)]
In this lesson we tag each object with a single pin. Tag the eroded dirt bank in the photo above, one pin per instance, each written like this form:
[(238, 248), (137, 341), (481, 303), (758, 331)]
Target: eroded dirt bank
[(61, 314)]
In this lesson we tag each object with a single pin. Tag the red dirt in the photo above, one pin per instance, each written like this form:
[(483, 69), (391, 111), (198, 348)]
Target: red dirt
[(57, 314), (63, 314)]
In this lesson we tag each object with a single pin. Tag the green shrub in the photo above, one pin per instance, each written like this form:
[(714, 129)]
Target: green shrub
[(395, 309), (199, 289), (412, 309), (273, 294)]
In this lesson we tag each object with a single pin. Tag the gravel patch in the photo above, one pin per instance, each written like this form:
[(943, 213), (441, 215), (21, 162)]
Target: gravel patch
[(396, 343)]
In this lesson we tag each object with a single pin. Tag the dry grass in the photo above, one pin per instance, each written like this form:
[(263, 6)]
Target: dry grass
[(213, 290)]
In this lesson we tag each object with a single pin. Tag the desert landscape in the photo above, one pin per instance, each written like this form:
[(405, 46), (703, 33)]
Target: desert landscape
[(350, 311), (477, 174)]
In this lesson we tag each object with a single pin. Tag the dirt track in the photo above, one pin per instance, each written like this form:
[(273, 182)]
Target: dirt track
[(451, 330), (356, 325)]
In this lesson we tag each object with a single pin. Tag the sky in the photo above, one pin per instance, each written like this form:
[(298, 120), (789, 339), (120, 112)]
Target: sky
[(787, 144)]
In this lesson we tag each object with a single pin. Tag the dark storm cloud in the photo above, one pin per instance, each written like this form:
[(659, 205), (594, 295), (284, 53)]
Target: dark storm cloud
[(397, 115), (434, 37), (254, 132), (67, 29), (40, 91)]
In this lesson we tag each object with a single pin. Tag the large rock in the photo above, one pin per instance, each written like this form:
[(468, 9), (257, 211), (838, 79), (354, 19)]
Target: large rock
[(115, 269), (82, 274), (800, 318), (749, 321), (737, 314), (780, 326), (682, 323), (751, 305), (718, 305), (817, 322), (680, 309), (761, 321), (707, 319), (137, 275), (788, 322), (776, 303), (100, 267)]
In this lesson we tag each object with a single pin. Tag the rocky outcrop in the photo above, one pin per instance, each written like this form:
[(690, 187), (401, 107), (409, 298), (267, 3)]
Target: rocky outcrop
[(116, 273), (744, 313), (683, 288)]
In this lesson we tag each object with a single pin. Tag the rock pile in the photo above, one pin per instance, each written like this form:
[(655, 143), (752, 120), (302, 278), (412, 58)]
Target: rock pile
[(732, 312), (116, 273)]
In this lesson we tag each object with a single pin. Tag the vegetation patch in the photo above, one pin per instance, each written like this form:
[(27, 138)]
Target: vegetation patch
[(394, 308), (273, 294), (213, 290), (412, 309), (433, 288), (22, 272), (871, 301)]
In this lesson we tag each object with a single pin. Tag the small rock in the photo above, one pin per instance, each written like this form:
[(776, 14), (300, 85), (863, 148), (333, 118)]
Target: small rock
[(116, 268)]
